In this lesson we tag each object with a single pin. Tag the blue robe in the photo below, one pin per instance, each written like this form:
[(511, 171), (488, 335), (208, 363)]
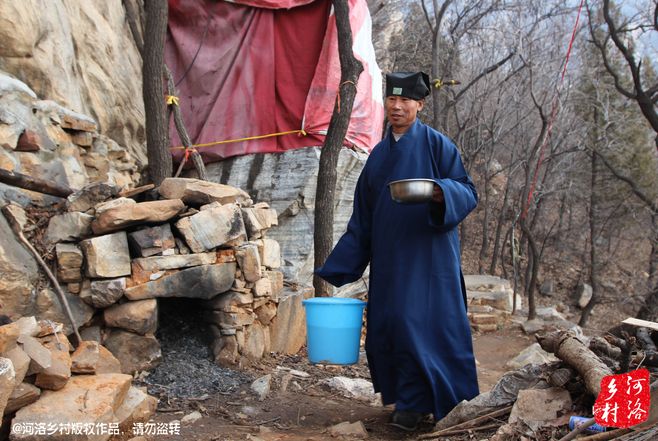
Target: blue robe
[(418, 341)]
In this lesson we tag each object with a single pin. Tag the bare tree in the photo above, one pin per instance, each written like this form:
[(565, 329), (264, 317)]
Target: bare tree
[(611, 31), (350, 70)]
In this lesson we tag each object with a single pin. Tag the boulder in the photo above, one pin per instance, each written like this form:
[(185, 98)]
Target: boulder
[(7, 382), (151, 241), (90, 357), (158, 263), (90, 196), (249, 261), (22, 395)]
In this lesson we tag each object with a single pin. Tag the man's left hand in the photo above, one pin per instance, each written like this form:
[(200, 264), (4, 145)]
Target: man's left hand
[(437, 194)]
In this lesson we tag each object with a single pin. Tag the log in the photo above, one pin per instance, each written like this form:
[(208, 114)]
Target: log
[(572, 351), (34, 184), (601, 346)]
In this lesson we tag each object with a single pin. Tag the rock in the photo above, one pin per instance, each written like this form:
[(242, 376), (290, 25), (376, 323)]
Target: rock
[(198, 192), (20, 361), (9, 334), (135, 352), (29, 326), (288, 328), (140, 317), (263, 288), (266, 313), (91, 195), (356, 388), (199, 282), (249, 261), (91, 333), (104, 293), (191, 418), (90, 357), (270, 253), (151, 241), (68, 227), (230, 320), (17, 212), (40, 356), (485, 283), (49, 307), (211, 228), (225, 350), (158, 263), (112, 203), (32, 141), (230, 301), (276, 281), (584, 295), (356, 429), (22, 395), (533, 354), (137, 407), (55, 376), (501, 300), (107, 256), (546, 288), (19, 274), (69, 262), (128, 215), (261, 386), (254, 341), (7, 382), (86, 399), (540, 408)]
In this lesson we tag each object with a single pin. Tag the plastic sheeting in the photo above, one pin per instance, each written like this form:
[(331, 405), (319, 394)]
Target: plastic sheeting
[(253, 67)]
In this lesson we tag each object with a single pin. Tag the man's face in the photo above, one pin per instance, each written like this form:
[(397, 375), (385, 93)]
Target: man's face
[(401, 112)]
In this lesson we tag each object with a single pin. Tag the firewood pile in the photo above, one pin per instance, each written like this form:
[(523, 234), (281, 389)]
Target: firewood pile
[(536, 402)]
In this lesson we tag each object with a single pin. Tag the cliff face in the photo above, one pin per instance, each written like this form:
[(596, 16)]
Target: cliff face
[(81, 55)]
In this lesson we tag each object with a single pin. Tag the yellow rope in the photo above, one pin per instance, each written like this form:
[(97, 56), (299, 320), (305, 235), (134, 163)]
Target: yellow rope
[(208, 144), (440, 83), (171, 100)]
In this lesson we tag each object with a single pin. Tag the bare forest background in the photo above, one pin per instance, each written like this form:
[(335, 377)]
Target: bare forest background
[(566, 168)]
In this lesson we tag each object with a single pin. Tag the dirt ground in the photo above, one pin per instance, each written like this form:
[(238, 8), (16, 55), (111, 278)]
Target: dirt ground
[(306, 409)]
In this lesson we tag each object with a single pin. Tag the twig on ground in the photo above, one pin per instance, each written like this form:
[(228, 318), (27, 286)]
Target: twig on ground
[(468, 424)]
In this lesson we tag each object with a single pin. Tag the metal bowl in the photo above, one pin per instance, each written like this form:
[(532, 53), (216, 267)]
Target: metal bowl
[(411, 191)]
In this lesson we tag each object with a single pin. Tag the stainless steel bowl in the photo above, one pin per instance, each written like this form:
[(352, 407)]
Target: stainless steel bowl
[(411, 191)]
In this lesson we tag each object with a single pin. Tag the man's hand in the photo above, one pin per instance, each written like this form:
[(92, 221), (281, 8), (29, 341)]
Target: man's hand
[(437, 194)]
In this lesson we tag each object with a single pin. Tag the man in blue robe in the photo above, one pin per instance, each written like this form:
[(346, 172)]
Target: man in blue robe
[(418, 341)]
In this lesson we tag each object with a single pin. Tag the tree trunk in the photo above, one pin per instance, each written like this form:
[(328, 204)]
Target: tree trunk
[(533, 259), (649, 311), (594, 261), (350, 70), (157, 139)]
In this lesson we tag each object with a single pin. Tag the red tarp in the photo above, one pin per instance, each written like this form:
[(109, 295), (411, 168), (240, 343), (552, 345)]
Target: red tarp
[(245, 71)]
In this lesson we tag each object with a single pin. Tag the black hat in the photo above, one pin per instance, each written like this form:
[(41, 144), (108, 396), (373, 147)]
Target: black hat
[(414, 85)]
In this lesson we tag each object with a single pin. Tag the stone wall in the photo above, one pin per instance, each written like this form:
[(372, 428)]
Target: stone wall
[(115, 257)]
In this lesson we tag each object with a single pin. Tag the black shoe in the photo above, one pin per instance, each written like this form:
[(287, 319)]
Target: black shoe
[(406, 420)]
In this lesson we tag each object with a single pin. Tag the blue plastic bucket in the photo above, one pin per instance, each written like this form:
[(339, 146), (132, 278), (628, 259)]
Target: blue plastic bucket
[(333, 329)]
